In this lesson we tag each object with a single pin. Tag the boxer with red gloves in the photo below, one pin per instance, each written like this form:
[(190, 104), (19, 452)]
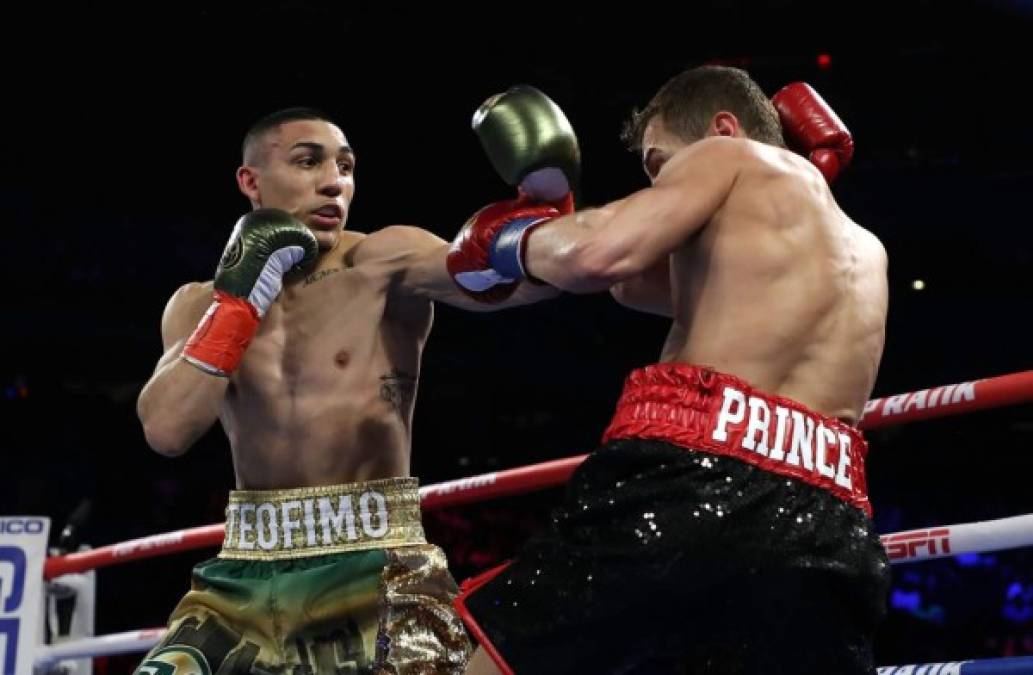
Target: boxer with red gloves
[(532, 146), (813, 129), (723, 524)]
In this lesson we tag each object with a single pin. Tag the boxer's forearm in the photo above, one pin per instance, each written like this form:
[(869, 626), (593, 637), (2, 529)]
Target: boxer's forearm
[(427, 276), (559, 252), (594, 250), (179, 404)]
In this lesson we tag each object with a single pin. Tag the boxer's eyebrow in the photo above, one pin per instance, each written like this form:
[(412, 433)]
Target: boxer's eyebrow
[(309, 145), (320, 149)]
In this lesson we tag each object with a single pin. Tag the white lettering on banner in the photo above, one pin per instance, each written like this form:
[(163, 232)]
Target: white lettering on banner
[(778, 449), (289, 524), (367, 515), (726, 416), (232, 511), (843, 473), (310, 523), (811, 444), (341, 519), (270, 529), (245, 527), (760, 420), (297, 523), (871, 405), (802, 443), (825, 437)]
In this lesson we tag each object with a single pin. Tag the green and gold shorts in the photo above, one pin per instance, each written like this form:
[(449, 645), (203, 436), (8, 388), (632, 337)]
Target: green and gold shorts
[(336, 579)]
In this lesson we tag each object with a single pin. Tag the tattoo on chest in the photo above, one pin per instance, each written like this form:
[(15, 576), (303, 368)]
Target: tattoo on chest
[(398, 389), (321, 274)]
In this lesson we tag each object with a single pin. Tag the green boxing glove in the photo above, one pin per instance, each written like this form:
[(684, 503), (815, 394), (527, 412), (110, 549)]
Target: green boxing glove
[(265, 245), (531, 145)]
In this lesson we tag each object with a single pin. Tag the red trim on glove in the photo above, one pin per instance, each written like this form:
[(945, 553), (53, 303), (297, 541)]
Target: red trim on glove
[(226, 329)]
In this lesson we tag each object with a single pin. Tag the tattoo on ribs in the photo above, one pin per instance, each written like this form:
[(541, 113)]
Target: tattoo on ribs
[(398, 389)]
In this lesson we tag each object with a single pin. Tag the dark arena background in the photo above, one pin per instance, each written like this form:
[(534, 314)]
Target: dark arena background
[(122, 135)]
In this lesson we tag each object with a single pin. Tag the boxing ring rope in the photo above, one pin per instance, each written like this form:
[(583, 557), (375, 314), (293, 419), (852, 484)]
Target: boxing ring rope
[(952, 540), (902, 547), (948, 400), (1014, 665), (104, 645), (908, 546)]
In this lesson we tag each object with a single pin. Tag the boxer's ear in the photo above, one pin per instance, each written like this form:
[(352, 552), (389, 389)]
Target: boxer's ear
[(725, 124)]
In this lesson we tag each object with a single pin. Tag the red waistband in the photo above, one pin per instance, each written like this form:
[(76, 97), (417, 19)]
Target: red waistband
[(704, 410)]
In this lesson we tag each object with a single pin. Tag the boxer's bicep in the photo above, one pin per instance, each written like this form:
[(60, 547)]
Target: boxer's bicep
[(654, 222), (413, 259), (640, 229)]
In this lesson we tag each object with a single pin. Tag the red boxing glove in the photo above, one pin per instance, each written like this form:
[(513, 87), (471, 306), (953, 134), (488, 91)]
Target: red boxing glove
[(486, 258), (813, 129)]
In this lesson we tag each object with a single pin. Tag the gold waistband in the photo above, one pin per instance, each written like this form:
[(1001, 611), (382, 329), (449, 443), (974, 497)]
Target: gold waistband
[(301, 522)]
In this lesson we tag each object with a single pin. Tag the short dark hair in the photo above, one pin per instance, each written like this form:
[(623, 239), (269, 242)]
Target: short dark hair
[(274, 120), (688, 101)]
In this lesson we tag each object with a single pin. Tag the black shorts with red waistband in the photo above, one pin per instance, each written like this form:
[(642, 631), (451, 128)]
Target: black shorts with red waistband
[(666, 557)]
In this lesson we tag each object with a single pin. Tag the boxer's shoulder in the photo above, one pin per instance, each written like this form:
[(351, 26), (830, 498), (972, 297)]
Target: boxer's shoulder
[(390, 246)]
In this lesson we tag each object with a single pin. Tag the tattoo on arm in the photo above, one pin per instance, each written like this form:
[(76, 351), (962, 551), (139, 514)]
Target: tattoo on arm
[(398, 389)]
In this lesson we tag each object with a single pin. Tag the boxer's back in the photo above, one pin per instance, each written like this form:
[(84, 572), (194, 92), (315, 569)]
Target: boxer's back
[(782, 289)]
